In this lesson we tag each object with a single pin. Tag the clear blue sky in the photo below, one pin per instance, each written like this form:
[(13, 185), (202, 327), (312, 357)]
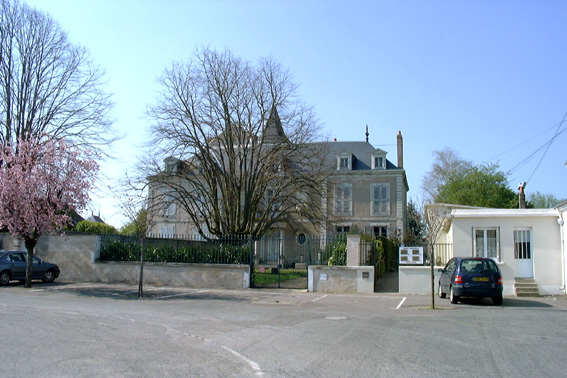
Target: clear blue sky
[(485, 78)]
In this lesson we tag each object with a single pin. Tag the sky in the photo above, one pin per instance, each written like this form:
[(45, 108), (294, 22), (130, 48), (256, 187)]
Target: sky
[(485, 78)]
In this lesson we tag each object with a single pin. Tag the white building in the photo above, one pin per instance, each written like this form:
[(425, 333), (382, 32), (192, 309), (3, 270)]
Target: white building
[(527, 244)]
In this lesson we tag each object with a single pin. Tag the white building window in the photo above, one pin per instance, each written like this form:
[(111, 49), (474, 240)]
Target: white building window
[(380, 201), (167, 231), (487, 243), (378, 162), (344, 162), (273, 203), (343, 199), (168, 203), (378, 159)]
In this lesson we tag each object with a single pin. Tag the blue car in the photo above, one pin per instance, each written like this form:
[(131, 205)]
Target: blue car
[(13, 267), (471, 277)]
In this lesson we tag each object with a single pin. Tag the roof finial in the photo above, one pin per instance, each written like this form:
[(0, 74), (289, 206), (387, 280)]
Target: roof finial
[(367, 133)]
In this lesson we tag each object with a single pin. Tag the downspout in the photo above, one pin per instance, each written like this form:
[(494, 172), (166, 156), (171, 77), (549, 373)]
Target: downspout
[(563, 260)]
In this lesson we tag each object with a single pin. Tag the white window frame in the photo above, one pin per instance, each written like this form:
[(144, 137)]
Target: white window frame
[(167, 230), (343, 203), (380, 206), (382, 164), (169, 204), (344, 162), (486, 242), (275, 202)]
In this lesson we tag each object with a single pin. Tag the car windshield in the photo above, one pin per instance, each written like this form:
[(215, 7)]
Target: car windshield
[(478, 266)]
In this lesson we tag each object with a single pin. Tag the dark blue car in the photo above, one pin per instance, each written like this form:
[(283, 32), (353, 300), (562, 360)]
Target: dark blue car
[(471, 277), (13, 267)]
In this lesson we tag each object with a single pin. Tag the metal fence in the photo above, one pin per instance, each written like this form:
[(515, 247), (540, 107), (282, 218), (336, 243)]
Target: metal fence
[(269, 251), (234, 250)]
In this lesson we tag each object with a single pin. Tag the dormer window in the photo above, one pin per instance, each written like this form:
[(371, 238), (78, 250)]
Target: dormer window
[(378, 160), (171, 164), (344, 162)]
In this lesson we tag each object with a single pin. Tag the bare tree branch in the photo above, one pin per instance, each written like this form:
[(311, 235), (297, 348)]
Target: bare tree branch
[(244, 143), (48, 86)]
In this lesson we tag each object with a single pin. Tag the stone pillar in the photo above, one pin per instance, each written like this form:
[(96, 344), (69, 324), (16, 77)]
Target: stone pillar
[(353, 255)]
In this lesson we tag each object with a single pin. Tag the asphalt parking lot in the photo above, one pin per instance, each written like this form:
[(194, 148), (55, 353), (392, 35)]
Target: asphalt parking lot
[(95, 330)]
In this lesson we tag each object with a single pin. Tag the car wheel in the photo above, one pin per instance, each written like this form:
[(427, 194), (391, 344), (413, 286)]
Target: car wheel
[(454, 298), (49, 276), (441, 293), (4, 278), (497, 301)]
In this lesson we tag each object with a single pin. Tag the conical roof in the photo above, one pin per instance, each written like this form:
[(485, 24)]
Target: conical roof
[(274, 132)]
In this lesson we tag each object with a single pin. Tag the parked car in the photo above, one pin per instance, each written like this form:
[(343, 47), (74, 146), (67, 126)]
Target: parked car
[(471, 277), (13, 267)]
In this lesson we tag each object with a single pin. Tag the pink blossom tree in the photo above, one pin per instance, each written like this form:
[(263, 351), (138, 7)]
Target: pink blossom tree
[(41, 181)]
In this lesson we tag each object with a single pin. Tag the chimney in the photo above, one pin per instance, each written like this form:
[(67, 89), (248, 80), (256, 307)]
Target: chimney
[(400, 150), (522, 195)]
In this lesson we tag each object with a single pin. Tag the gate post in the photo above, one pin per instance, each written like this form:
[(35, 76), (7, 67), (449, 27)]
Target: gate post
[(353, 250)]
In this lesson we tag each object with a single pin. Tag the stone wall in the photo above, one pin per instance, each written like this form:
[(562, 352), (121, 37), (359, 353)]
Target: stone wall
[(341, 279), (77, 255)]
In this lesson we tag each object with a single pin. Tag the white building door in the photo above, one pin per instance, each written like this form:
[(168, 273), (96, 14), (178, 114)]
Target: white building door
[(523, 254)]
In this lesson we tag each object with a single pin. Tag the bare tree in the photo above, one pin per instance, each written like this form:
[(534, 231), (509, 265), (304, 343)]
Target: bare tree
[(244, 145), (447, 162), (435, 215), (135, 206), (48, 86)]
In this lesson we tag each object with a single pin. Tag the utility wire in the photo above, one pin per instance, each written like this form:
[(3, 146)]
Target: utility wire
[(557, 133)]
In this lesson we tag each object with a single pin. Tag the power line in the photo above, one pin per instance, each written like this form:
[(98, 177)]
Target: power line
[(549, 144), (558, 132)]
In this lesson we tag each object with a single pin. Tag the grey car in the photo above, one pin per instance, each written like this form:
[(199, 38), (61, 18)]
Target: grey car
[(13, 267)]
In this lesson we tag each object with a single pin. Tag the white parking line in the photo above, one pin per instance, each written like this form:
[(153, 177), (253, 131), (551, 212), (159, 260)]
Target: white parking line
[(401, 303), (252, 364), (316, 299)]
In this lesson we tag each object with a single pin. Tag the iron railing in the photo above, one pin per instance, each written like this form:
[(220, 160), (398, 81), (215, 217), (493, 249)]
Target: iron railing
[(188, 250), (268, 251)]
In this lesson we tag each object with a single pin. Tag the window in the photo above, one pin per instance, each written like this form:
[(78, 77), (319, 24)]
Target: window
[(272, 203), (380, 231), (523, 244), (378, 162), (344, 161), (378, 159), (343, 199), (380, 199), (168, 203), (343, 229), (167, 231), (486, 243)]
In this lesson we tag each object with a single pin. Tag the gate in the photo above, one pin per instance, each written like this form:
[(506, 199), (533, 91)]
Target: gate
[(282, 262)]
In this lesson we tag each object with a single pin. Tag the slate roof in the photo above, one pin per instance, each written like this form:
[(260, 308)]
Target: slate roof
[(362, 152)]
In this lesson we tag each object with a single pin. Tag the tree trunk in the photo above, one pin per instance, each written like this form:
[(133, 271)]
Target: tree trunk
[(141, 279), (30, 245), (432, 264)]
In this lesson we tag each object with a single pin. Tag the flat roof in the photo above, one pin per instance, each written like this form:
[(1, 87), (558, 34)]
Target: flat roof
[(508, 213)]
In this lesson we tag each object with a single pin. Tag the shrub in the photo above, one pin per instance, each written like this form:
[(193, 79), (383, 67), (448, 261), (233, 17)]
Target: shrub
[(94, 227)]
